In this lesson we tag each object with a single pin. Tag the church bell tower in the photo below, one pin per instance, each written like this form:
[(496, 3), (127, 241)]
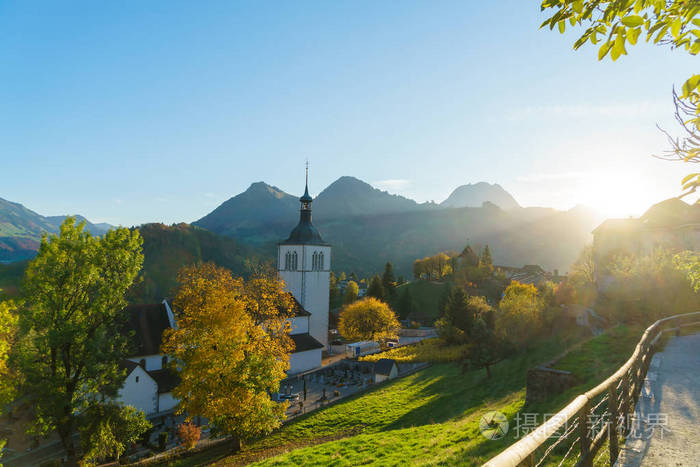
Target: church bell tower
[(304, 263)]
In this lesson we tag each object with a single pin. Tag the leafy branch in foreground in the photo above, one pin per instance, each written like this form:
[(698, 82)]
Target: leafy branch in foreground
[(614, 24)]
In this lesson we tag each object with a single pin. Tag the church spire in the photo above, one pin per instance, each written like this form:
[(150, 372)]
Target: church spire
[(305, 232), (306, 198)]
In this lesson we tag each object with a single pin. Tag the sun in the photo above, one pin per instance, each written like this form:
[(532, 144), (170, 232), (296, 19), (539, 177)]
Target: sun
[(618, 195)]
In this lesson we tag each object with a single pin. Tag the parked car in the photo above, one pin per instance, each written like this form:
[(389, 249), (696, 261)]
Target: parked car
[(293, 397)]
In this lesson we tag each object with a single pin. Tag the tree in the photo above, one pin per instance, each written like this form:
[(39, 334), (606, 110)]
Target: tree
[(231, 349), (108, 429), (520, 314), (353, 277), (688, 262), (333, 289), (376, 289), (582, 278), (389, 280), (406, 305), (614, 24), (352, 291), (461, 311), (8, 331), (486, 262), (189, 434), (71, 344), (486, 350), (368, 319)]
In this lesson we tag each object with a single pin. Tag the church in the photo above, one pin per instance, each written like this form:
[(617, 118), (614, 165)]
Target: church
[(304, 263)]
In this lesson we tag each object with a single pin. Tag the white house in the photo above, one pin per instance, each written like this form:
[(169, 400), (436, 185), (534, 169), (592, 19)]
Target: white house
[(149, 383), (385, 368), (304, 263)]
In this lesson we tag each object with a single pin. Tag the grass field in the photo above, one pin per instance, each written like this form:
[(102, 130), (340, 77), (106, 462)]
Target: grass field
[(429, 417)]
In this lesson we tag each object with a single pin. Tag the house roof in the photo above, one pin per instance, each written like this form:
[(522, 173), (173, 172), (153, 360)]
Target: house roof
[(384, 366), (298, 309), (166, 379), (127, 365), (147, 322), (304, 342)]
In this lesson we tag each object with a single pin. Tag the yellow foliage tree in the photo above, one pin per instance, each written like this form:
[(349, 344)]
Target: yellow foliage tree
[(368, 319), (231, 349), (8, 330), (520, 314)]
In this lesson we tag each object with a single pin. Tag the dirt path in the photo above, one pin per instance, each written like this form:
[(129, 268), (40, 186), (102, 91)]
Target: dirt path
[(668, 431)]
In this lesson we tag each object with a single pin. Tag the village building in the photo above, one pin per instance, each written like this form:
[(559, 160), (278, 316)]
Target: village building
[(384, 369), (304, 263), (149, 382)]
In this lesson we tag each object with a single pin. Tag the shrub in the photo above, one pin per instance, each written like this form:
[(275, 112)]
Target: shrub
[(189, 434), (162, 440), (429, 350)]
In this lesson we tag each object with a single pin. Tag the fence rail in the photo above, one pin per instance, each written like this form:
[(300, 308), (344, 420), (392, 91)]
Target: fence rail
[(610, 405)]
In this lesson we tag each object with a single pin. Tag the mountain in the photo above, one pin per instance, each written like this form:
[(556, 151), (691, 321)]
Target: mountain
[(349, 196), (255, 211), (21, 230), (474, 195), (368, 227)]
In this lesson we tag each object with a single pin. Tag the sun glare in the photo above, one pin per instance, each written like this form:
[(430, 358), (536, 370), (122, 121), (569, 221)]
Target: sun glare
[(617, 197)]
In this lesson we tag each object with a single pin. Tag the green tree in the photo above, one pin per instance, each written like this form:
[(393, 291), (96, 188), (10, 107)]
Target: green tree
[(486, 349), (368, 319), (8, 331), (613, 25), (107, 430), (231, 349), (461, 311), (389, 280), (376, 289), (486, 262), (353, 277), (333, 289), (469, 258), (406, 305), (71, 345), (352, 291)]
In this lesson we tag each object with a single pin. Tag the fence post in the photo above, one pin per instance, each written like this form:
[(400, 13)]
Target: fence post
[(585, 442), (625, 403), (612, 424)]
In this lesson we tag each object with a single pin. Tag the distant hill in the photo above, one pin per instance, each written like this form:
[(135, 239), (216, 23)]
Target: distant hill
[(167, 249), (474, 195), (21, 229)]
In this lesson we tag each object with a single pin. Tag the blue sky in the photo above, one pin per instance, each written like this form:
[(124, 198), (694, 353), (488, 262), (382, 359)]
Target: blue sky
[(132, 112)]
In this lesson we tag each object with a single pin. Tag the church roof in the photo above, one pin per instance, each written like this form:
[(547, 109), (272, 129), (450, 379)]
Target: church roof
[(165, 378), (304, 234), (304, 342), (147, 322), (298, 309)]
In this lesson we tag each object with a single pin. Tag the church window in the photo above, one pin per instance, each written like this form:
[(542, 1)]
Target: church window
[(294, 261), (137, 379), (320, 261), (314, 261), (287, 261)]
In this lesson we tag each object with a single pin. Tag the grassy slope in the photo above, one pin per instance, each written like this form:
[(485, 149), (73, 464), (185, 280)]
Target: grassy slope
[(429, 417)]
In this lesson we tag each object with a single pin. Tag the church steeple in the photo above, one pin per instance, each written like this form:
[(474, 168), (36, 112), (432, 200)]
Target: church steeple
[(305, 232)]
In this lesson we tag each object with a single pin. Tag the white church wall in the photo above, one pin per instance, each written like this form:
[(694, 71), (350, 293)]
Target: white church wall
[(300, 325), (140, 391), (316, 284), (304, 361), (166, 402)]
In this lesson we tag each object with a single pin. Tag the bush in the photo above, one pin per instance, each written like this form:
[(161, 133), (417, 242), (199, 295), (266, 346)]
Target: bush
[(162, 440), (189, 434), (429, 350)]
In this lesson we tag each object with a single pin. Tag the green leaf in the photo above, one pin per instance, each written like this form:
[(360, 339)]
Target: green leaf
[(603, 51), (689, 177), (562, 26), (632, 35), (690, 85), (676, 27), (632, 21), (577, 6)]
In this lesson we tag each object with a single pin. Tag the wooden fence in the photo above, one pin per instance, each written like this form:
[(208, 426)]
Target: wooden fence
[(576, 434)]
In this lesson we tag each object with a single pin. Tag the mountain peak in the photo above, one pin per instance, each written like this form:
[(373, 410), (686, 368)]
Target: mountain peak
[(475, 195)]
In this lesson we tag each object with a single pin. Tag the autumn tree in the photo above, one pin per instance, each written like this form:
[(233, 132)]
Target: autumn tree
[(389, 280), (231, 349), (376, 289), (519, 318), (352, 291), (71, 343), (614, 25), (368, 319), (189, 434), (108, 429)]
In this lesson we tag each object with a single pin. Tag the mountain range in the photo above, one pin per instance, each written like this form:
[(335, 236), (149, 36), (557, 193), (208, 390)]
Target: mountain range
[(21, 230), (368, 227)]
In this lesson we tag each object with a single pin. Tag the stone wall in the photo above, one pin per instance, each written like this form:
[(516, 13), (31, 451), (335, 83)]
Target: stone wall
[(544, 382)]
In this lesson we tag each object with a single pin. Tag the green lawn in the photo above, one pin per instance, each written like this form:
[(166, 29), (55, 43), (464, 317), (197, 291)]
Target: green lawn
[(430, 417)]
